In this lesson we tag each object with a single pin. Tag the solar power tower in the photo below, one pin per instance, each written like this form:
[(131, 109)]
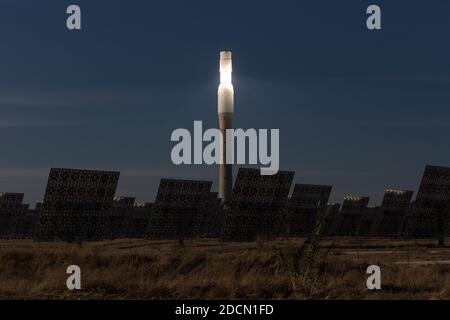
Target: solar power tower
[(304, 206), (394, 209), (76, 205), (12, 212), (179, 208), (351, 214), (257, 206), (430, 213)]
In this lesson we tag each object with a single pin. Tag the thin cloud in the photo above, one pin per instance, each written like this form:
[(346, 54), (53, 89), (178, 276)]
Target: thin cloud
[(411, 123), (15, 173), (73, 98), (63, 99), (28, 124), (418, 78), (125, 172), (335, 174), (187, 172)]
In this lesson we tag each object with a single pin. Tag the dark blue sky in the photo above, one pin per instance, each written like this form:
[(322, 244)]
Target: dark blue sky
[(357, 109)]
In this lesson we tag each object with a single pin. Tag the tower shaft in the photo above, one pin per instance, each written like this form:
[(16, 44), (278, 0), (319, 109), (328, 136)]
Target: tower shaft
[(225, 170), (225, 111)]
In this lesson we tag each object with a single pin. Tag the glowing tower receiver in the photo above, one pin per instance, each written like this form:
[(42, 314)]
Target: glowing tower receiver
[(226, 110)]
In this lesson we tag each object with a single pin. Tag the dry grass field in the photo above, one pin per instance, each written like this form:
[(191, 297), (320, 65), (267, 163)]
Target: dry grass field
[(209, 269)]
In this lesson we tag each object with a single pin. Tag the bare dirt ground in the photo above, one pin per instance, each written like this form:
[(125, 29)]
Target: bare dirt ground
[(209, 269)]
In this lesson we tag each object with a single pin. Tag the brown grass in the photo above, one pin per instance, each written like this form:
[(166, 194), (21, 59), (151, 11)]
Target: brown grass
[(208, 269)]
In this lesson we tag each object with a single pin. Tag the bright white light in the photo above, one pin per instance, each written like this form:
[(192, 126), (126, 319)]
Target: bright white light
[(225, 77), (226, 91), (226, 67)]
